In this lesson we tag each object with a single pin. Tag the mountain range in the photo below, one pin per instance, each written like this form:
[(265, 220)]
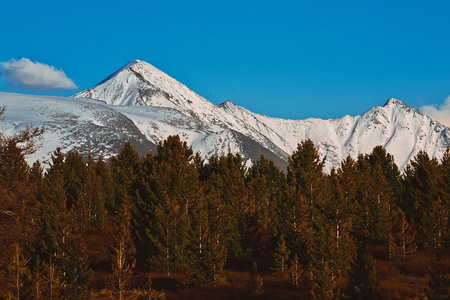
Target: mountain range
[(141, 104)]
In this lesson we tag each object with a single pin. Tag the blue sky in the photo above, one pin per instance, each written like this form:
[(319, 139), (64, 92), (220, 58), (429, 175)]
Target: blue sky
[(290, 59)]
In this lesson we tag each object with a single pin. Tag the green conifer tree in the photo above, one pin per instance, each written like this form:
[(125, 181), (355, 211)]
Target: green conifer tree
[(402, 238), (445, 170), (93, 194), (362, 278), (281, 256), (423, 191), (169, 187), (125, 167), (375, 203), (104, 173), (59, 242), (435, 224), (19, 210), (219, 228), (228, 174), (73, 168), (438, 282)]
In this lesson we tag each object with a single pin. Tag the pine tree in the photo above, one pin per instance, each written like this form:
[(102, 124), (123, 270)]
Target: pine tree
[(122, 253), (219, 232), (125, 167), (144, 221), (305, 176), (438, 282), (73, 168), (281, 256), (227, 175), (402, 237), (325, 260), (294, 222), (295, 272), (122, 271), (266, 183), (322, 238), (59, 242), (380, 157), (339, 214), (423, 191), (362, 279), (104, 174), (18, 275), (259, 218), (52, 287), (175, 158), (376, 203), (19, 212), (122, 235), (256, 282), (169, 187), (323, 283), (171, 236), (435, 224), (93, 195), (445, 171), (347, 184), (200, 235), (235, 197), (306, 167), (18, 206)]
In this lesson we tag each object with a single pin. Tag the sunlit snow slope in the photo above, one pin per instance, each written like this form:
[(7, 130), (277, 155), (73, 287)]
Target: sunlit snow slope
[(144, 105), (402, 130), (87, 126)]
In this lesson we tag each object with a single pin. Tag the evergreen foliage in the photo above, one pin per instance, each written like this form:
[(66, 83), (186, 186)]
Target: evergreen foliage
[(60, 246), (362, 278), (438, 282), (173, 212)]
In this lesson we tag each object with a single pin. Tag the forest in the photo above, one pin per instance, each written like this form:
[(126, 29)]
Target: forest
[(171, 225)]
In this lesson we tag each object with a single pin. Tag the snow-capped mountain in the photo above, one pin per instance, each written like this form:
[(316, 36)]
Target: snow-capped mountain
[(87, 126), (402, 130), (140, 84), (144, 105)]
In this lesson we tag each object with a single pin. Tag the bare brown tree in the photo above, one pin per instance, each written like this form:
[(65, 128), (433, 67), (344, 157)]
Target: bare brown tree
[(122, 271)]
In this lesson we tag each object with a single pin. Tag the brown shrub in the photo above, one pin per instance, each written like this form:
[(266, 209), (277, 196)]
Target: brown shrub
[(386, 270), (98, 241), (403, 287)]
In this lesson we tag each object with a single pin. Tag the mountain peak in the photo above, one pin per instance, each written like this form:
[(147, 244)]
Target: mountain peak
[(140, 67), (132, 63), (140, 83), (394, 101), (227, 103), (127, 67)]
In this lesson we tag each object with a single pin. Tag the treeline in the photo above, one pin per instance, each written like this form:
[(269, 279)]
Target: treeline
[(174, 212)]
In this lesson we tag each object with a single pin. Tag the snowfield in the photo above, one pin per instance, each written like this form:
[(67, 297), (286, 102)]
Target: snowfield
[(144, 105)]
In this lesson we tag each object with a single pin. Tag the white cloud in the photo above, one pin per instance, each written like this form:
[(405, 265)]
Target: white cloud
[(35, 76), (439, 113)]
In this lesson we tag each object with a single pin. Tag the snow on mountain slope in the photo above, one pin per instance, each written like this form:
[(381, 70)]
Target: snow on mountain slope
[(139, 83), (157, 123), (95, 128), (87, 126), (402, 130), (144, 105)]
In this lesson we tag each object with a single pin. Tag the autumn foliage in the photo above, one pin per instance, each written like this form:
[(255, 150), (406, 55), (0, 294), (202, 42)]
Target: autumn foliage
[(172, 225)]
